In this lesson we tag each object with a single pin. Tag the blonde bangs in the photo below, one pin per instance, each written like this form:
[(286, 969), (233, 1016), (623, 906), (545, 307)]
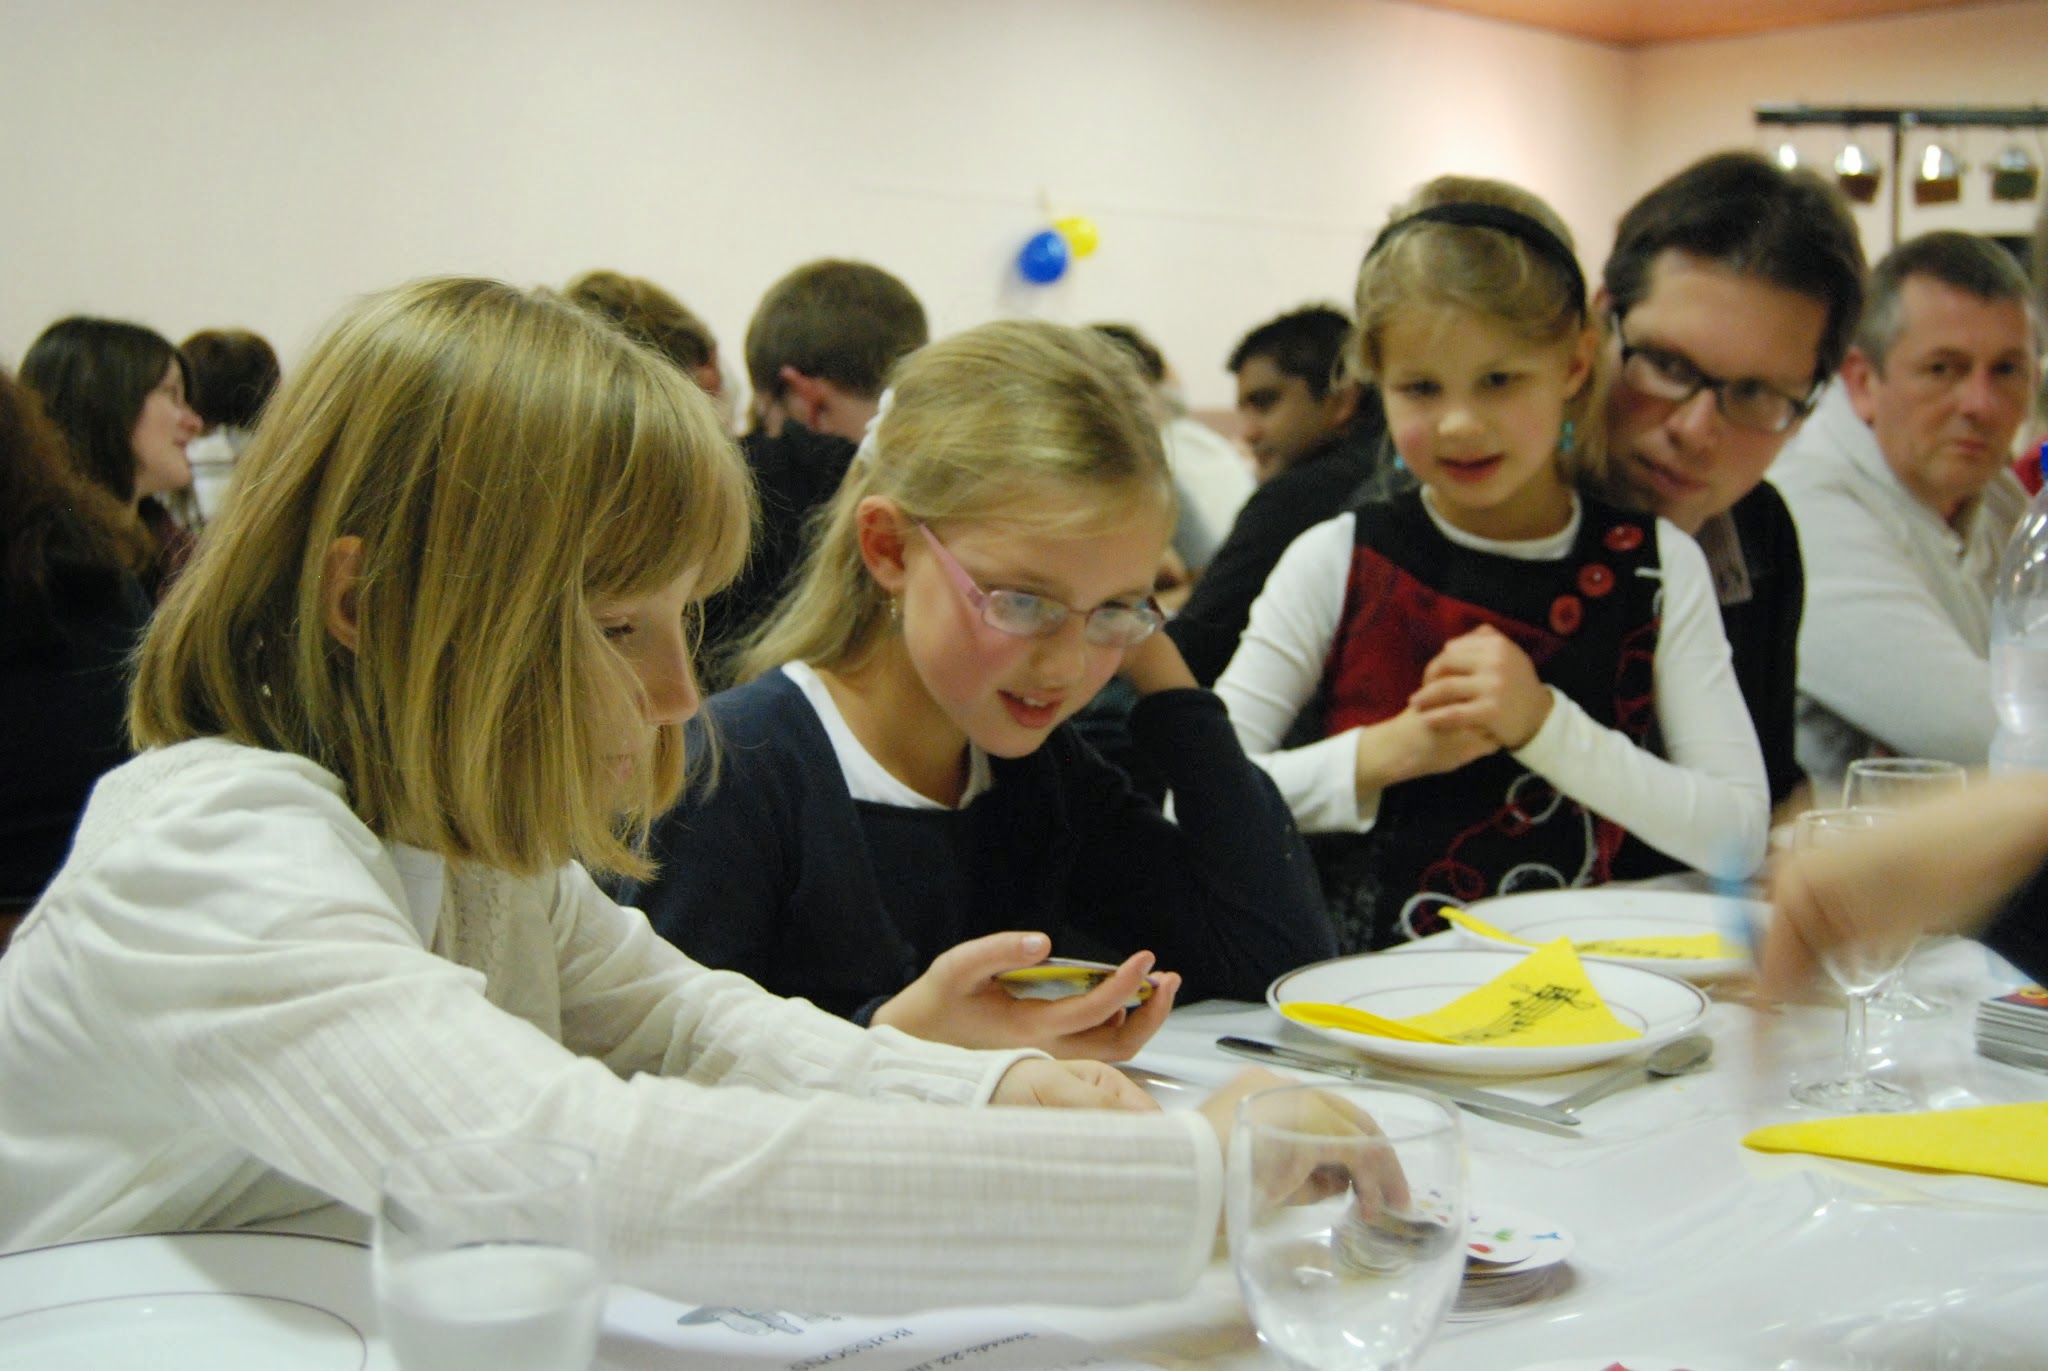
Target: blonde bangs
[(503, 457), (1477, 270), (666, 510), (1482, 270)]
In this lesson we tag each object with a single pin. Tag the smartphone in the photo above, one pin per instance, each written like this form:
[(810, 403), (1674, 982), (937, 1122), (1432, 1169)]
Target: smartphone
[(1056, 978)]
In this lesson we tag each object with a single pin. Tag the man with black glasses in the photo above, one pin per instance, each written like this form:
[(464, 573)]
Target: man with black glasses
[(1730, 297)]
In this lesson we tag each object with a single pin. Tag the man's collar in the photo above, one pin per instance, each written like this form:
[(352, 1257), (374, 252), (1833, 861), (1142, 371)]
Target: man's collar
[(1726, 563)]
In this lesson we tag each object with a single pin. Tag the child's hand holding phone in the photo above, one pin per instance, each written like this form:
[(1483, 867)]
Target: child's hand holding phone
[(962, 999)]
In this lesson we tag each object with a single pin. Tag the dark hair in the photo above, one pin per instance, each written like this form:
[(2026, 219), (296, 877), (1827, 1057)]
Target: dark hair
[(843, 322), (1964, 261), (1151, 361), (649, 314), (1309, 343), (92, 376), (1744, 213), (231, 373), (51, 517)]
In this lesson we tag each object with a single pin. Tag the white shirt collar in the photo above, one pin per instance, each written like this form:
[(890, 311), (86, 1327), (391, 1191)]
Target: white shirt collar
[(866, 778), (1548, 549)]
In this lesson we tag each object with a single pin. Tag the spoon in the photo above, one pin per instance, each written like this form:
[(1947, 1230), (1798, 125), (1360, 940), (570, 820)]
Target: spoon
[(1674, 1058)]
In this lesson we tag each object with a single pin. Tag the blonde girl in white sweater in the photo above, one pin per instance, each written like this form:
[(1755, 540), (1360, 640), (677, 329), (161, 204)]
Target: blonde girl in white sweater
[(340, 906)]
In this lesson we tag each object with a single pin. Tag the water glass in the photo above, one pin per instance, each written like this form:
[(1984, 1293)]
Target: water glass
[(1890, 784), (1347, 1221), (1859, 967), (487, 1255), (1893, 783)]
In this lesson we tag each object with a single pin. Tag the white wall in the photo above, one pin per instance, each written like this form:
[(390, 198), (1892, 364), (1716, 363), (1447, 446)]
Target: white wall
[(252, 162), (1690, 98), (257, 162)]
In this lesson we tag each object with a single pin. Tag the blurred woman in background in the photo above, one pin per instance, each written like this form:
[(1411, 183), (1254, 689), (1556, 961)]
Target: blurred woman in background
[(117, 391)]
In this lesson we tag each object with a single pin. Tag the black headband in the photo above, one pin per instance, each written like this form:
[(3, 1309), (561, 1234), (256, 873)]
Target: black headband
[(1514, 223)]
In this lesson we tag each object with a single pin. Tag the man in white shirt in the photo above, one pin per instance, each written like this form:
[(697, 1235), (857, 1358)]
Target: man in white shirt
[(1901, 490)]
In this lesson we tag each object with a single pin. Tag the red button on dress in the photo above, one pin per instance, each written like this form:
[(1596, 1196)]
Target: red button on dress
[(1595, 580), (1623, 538), (1566, 613)]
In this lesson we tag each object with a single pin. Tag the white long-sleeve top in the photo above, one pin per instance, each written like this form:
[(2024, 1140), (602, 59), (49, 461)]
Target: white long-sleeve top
[(1708, 805), (235, 1003)]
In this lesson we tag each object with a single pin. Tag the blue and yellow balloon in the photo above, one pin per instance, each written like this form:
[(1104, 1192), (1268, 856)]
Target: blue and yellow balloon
[(1045, 254)]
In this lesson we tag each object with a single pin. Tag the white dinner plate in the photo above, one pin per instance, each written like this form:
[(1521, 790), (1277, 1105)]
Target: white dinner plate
[(191, 1302), (1400, 985), (1586, 916)]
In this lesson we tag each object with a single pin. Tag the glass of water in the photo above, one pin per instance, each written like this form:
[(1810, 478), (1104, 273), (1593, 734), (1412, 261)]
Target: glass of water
[(1858, 966), (1887, 785), (1347, 1222), (487, 1254)]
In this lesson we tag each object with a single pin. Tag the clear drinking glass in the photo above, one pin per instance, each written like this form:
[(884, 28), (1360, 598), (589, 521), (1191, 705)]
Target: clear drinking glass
[(1859, 968), (1891, 784), (1899, 782), (1347, 1222), (487, 1255)]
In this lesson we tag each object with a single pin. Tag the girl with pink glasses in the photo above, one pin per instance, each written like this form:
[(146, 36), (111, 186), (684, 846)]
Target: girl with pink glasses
[(901, 813)]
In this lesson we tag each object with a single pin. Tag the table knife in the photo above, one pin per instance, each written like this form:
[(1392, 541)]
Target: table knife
[(1505, 1108)]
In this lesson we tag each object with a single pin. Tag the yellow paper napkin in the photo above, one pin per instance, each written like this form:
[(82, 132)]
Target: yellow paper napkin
[(1544, 1000), (2005, 1140), (1671, 947)]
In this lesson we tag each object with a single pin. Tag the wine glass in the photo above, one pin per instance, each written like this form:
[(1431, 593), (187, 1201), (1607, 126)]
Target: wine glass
[(486, 1253), (1890, 784), (1859, 967), (1899, 782), (1347, 1221)]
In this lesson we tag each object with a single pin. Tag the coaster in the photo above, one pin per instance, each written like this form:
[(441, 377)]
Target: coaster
[(1512, 1257)]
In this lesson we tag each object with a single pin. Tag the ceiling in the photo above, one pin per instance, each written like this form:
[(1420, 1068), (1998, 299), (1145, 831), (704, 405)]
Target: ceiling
[(1639, 23)]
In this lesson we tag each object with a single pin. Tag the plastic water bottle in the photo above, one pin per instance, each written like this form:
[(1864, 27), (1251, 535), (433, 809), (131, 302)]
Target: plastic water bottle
[(2019, 642)]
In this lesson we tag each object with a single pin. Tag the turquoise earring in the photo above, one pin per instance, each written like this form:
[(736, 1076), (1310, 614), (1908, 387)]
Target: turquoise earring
[(1566, 436)]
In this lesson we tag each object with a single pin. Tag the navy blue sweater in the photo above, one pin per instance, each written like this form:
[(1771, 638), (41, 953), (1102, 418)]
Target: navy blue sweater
[(777, 872)]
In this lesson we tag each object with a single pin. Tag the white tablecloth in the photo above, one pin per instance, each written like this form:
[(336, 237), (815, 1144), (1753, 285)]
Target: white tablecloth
[(1690, 1246)]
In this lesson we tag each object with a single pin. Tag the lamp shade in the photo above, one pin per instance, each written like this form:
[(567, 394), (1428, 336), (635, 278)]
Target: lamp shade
[(1938, 177), (2015, 175), (1858, 176)]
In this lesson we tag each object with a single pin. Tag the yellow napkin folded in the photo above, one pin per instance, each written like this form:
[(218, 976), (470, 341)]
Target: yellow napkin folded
[(1674, 947), (1544, 1000), (2005, 1140)]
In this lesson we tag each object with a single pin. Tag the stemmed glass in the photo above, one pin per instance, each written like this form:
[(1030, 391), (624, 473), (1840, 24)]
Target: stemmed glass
[(1347, 1222), (486, 1254), (1859, 967), (1889, 784)]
